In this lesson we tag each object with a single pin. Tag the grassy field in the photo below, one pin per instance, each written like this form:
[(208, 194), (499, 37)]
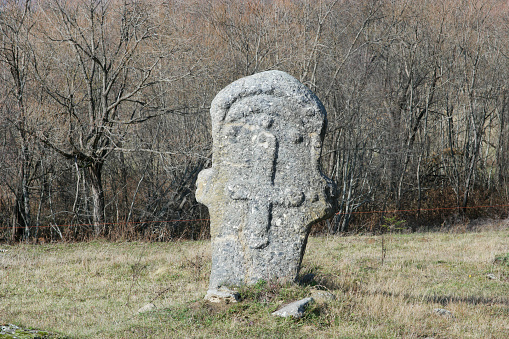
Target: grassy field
[(94, 290)]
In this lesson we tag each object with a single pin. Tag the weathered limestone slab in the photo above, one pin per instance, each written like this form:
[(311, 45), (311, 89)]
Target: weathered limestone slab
[(265, 188)]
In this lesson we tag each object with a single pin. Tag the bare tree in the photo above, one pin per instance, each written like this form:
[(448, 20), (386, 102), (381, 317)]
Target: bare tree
[(92, 60), (15, 25)]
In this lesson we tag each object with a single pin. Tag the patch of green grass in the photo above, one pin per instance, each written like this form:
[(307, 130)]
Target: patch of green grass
[(10, 331), (502, 259), (272, 292)]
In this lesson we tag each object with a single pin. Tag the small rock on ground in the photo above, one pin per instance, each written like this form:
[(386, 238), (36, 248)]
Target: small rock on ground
[(147, 308), (10, 331), (443, 312), (321, 296), (222, 294), (295, 309)]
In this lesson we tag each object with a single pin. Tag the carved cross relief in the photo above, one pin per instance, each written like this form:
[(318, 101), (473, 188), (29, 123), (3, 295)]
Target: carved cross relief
[(259, 189)]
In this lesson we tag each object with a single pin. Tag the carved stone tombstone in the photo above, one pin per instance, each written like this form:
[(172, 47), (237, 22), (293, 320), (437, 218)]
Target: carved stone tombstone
[(265, 188)]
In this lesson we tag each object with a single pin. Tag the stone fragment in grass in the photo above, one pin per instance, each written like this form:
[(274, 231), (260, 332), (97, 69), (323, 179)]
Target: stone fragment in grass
[(222, 295), (321, 296), (443, 312), (10, 331), (295, 309), (147, 308), (265, 188), (492, 276)]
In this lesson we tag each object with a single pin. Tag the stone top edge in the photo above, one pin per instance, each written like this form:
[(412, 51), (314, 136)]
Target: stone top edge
[(273, 83)]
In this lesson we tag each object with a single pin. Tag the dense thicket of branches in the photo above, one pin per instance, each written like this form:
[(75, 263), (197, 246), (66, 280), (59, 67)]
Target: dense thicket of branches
[(104, 106)]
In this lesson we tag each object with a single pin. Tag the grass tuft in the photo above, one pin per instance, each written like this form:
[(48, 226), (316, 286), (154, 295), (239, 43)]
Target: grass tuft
[(502, 259)]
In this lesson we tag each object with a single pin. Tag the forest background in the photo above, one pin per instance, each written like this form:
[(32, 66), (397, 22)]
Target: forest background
[(104, 108)]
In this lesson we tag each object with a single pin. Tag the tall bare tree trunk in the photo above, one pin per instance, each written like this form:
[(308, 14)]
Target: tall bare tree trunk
[(95, 174), (25, 168)]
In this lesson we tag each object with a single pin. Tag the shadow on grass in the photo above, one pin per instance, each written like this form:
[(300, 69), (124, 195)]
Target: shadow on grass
[(312, 278), (443, 300)]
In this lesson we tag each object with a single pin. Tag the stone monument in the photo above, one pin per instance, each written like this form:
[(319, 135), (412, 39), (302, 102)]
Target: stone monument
[(265, 188)]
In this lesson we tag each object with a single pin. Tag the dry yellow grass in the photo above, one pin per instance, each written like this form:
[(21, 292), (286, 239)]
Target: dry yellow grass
[(93, 290)]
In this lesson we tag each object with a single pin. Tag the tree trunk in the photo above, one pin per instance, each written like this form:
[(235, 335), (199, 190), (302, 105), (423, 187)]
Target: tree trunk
[(95, 173), (22, 208), (502, 144), (25, 168)]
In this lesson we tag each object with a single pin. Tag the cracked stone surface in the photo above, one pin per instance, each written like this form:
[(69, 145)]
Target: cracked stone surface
[(265, 188)]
